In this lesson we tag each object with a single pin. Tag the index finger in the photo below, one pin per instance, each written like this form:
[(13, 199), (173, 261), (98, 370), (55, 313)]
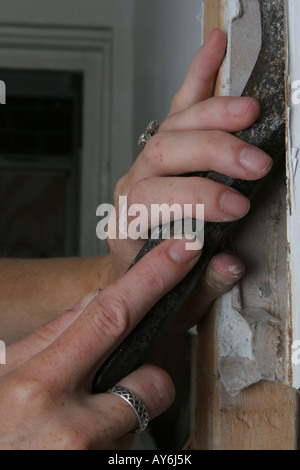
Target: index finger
[(112, 314), (199, 81)]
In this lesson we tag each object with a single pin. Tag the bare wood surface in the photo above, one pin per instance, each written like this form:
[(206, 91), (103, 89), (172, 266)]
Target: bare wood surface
[(212, 15), (261, 417)]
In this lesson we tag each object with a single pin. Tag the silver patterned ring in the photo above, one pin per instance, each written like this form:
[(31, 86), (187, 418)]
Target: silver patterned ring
[(136, 404), (151, 129)]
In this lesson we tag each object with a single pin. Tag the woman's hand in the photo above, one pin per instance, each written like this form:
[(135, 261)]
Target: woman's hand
[(196, 137), (45, 387)]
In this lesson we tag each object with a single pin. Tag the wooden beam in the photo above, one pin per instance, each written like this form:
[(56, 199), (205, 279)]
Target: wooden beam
[(263, 416), (214, 18), (213, 10)]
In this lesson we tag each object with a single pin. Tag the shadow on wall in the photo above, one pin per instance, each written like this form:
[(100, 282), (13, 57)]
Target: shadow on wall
[(167, 34)]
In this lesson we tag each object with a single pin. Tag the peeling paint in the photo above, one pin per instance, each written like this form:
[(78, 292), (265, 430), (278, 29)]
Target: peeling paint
[(248, 345), (293, 175)]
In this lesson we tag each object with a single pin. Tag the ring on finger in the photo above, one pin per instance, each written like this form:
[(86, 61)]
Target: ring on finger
[(151, 129), (136, 404)]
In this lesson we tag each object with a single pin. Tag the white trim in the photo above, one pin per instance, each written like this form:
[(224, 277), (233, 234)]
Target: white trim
[(293, 178), (90, 53)]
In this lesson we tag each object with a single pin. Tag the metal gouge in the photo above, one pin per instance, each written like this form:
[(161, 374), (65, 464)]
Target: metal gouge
[(267, 85)]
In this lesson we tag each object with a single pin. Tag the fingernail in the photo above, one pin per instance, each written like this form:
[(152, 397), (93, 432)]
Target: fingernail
[(231, 271), (255, 161), (181, 252), (220, 278), (234, 204), (239, 106), (235, 270)]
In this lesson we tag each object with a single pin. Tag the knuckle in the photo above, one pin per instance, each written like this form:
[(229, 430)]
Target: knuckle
[(47, 331), (218, 136), (216, 140), (28, 392), (114, 318)]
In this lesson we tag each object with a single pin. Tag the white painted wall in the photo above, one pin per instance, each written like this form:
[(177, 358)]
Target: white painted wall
[(167, 34)]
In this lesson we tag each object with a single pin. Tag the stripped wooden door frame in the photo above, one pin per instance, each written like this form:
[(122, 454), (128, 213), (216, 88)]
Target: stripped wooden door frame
[(263, 416)]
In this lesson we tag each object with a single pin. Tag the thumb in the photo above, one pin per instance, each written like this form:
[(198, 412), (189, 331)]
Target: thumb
[(199, 81), (23, 350)]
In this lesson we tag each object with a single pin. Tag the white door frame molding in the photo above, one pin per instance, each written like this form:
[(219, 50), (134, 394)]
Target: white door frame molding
[(293, 182), (93, 38)]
